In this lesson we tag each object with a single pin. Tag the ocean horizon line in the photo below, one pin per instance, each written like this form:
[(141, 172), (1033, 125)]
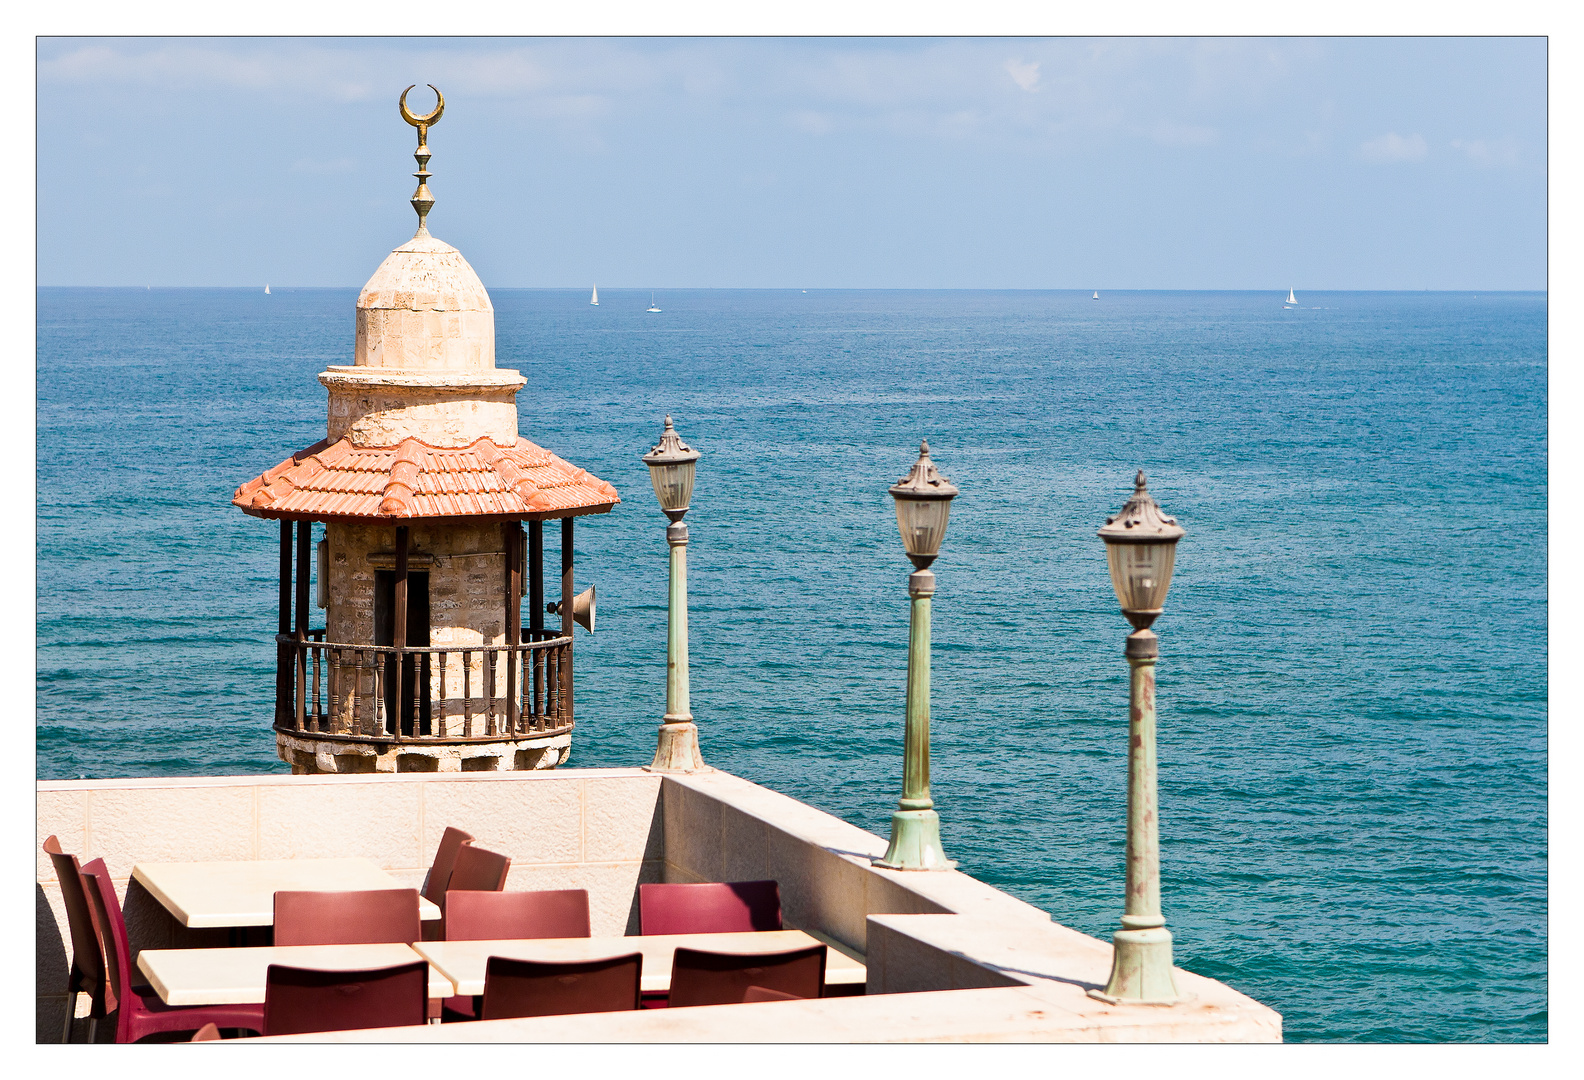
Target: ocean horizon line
[(829, 289)]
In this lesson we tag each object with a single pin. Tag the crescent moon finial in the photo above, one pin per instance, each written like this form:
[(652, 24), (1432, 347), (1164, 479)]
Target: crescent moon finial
[(422, 201), (424, 121)]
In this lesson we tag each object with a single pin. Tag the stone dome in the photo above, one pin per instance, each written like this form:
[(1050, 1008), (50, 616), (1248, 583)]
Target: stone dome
[(425, 310)]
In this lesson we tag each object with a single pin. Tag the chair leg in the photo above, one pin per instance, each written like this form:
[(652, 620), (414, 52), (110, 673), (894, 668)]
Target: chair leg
[(71, 1007), (93, 1028)]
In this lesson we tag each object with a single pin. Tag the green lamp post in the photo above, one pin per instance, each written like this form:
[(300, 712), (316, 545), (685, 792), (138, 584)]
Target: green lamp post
[(1141, 549), (923, 503), (671, 465)]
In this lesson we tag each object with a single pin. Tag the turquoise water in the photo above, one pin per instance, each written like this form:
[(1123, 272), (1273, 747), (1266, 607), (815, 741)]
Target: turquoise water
[(1352, 681)]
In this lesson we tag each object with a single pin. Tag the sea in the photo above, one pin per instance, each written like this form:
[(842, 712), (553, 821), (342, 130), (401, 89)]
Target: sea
[(1352, 683)]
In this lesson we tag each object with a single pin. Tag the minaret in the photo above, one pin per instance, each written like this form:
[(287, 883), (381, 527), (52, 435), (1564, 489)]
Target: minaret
[(424, 487)]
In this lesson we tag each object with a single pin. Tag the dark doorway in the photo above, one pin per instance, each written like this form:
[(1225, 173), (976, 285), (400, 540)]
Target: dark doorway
[(415, 672)]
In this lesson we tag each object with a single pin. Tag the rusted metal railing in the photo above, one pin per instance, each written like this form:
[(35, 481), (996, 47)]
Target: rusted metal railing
[(429, 694)]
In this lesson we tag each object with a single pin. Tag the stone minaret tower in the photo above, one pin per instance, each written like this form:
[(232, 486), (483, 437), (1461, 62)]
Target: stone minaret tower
[(424, 487)]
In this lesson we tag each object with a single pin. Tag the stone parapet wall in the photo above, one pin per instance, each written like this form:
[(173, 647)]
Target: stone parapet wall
[(949, 958)]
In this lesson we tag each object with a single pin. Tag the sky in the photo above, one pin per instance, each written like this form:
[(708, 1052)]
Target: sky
[(1002, 163)]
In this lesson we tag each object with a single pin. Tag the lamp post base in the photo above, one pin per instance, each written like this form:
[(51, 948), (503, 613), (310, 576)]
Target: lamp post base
[(915, 843), (1141, 970), (678, 750)]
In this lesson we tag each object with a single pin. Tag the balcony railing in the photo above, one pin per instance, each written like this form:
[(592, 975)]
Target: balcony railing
[(382, 693)]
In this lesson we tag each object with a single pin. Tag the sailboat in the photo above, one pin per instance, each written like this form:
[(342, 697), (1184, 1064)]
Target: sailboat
[(1096, 296), (1292, 301), (595, 298), (266, 290), (652, 305)]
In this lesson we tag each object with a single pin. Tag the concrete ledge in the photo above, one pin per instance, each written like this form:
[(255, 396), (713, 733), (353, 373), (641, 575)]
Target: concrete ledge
[(940, 952), (1022, 1014)]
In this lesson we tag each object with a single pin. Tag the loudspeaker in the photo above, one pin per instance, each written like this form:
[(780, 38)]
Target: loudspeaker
[(582, 609)]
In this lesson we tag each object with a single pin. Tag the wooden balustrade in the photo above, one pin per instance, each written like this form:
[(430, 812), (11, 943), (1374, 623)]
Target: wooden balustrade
[(446, 694)]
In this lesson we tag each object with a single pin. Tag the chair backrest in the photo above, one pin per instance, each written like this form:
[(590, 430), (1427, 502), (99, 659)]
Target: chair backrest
[(81, 922), (710, 978), (300, 1000), (346, 918), (533, 988), (551, 913), (118, 951), (710, 907), (479, 870), (439, 878), (761, 993)]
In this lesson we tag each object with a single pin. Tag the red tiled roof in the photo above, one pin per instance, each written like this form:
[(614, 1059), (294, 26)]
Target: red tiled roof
[(414, 480)]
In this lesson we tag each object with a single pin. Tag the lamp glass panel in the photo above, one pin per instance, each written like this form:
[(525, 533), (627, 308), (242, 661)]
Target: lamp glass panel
[(673, 484), (923, 524), (1141, 574)]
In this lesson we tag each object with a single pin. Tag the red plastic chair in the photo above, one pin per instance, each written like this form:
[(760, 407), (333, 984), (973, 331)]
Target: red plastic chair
[(479, 916), (439, 878), (710, 907), (760, 993), (550, 913), (301, 1000), (355, 917), (710, 978), (141, 1015), (532, 988), (479, 870), (87, 974)]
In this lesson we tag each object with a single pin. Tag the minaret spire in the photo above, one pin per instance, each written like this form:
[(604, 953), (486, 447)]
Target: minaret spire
[(422, 200)]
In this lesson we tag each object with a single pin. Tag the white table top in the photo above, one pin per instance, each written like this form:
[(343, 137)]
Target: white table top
[(463, 962), (242, 893), (236, 976)]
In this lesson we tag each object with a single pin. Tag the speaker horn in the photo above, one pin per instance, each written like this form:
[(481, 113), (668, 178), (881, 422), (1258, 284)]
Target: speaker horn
[(582, 609)]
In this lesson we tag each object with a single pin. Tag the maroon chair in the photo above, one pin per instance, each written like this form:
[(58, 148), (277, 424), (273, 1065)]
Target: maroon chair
[(710, 907), (141, 1015), (300, 1000), (479, 916), (355, 917), (532, 988), (760, 993), (479, 870), (87, 974), (711, 978), (550, 913), (439, 878)]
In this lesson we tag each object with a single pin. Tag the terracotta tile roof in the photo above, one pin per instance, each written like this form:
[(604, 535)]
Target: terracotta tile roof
[(414, 480)]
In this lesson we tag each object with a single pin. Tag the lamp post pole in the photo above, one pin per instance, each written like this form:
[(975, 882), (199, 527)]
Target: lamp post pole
[(671, 468), (1141, 550), (923, 503)]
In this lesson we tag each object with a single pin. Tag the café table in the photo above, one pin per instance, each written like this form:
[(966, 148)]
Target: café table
[(463, 962), (242, 893), (236, 976)]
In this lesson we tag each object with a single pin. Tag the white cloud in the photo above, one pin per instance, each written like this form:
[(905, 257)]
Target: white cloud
[(1026, 75), (1489, 152), (1394, 147)]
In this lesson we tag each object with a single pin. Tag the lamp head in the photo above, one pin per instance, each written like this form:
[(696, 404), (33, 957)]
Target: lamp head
[(671, 465), (923, 503), (1141, 552)]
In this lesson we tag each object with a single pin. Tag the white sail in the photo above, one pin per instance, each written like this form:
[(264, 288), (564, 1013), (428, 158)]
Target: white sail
[(1096, 296), (1291, 299), (652, 305), (595, 298), (266, 290)]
